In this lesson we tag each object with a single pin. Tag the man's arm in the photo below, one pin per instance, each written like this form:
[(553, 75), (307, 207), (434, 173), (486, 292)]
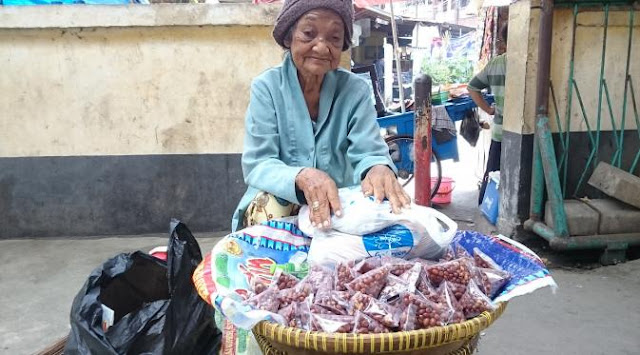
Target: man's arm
[(477, 97), (475, 87)]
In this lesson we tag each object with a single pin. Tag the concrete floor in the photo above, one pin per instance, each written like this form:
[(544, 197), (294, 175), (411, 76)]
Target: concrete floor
[(40, 278)]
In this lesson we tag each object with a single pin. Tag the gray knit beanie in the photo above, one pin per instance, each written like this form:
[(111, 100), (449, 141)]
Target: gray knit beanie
[(292, 10)]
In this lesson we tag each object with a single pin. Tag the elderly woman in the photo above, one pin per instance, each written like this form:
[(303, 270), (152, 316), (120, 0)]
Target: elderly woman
[(311, 127)]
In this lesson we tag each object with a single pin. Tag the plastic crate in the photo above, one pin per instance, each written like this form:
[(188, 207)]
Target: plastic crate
[(439, 98)]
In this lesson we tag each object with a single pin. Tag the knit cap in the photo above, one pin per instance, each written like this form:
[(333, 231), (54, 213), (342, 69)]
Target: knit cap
[(292, 10)]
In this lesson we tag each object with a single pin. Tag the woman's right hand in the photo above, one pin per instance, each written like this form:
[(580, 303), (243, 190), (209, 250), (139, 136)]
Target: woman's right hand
[(321, 194)]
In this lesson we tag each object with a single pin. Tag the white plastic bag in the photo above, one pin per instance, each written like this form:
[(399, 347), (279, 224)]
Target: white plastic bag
[(368, 229)]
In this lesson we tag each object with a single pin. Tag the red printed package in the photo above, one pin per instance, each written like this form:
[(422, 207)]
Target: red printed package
[(331, 323), (475, 302), (370, 283), (367, 325), (387, 315)]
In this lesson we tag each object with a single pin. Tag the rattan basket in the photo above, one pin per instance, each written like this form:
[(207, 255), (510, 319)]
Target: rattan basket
[(454, 339)]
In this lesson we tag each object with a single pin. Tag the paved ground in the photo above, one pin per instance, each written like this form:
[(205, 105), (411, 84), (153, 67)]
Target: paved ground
[(39, 279), (594, 311)]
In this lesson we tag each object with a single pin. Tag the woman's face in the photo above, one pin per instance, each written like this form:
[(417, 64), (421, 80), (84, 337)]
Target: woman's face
[(316, 42)]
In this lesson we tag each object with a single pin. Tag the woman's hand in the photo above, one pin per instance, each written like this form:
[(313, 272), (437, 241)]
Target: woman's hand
[(381, 182), (321, 193)]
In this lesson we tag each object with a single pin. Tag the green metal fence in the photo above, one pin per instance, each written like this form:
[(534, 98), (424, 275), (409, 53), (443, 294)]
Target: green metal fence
[(619, 124), (551, 163)]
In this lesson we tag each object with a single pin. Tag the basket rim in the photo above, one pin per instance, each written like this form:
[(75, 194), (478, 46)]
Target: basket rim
[(422, 338)]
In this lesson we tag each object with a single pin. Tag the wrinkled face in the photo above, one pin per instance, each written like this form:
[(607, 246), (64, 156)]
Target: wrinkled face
[(316, 42)]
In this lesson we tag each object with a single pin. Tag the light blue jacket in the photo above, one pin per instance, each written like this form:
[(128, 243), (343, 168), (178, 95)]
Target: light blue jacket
[(280, 139)]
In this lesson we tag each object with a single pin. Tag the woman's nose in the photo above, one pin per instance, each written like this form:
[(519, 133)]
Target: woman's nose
[(321, 46)]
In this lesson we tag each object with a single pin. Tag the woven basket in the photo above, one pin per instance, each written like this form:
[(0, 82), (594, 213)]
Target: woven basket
[(454, 339)]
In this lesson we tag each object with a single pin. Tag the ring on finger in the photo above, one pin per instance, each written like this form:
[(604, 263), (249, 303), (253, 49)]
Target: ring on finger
[(315, 205)]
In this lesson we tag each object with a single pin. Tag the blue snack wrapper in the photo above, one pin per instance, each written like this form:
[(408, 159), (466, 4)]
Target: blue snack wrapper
[(528, 272)]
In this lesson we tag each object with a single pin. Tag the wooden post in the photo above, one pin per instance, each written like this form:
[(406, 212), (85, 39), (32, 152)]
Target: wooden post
[(422, 140)]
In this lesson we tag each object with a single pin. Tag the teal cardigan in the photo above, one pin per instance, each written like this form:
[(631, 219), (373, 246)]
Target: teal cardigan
[(280, 137)]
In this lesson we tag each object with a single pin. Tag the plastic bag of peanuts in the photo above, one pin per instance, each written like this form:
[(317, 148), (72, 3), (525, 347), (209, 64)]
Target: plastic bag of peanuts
[(335, 301), (474, 301), (386, 314), (298, 293), (331, 323), (370, 283), (267, 300), (367, 325)]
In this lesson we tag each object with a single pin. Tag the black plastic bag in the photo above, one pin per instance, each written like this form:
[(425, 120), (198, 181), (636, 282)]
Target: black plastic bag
[(156, 307), (470, 127), (443, 136)]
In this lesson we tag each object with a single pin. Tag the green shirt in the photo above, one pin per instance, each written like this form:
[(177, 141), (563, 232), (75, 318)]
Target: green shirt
[(280, 139), (493, 75)]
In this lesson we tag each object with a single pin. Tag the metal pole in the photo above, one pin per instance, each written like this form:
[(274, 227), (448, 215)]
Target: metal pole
[(565, 157), (394, 32), (618, 163), (601, 82), (536, 207), (422, 140), (543, 131)]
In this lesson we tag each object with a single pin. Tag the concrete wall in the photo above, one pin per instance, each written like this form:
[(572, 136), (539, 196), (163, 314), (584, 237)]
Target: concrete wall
[(517, 140), (522, 49), (116, 118), (129, 89)]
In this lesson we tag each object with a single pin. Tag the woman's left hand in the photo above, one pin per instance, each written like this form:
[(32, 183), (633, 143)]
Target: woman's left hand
[(382, 183)]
